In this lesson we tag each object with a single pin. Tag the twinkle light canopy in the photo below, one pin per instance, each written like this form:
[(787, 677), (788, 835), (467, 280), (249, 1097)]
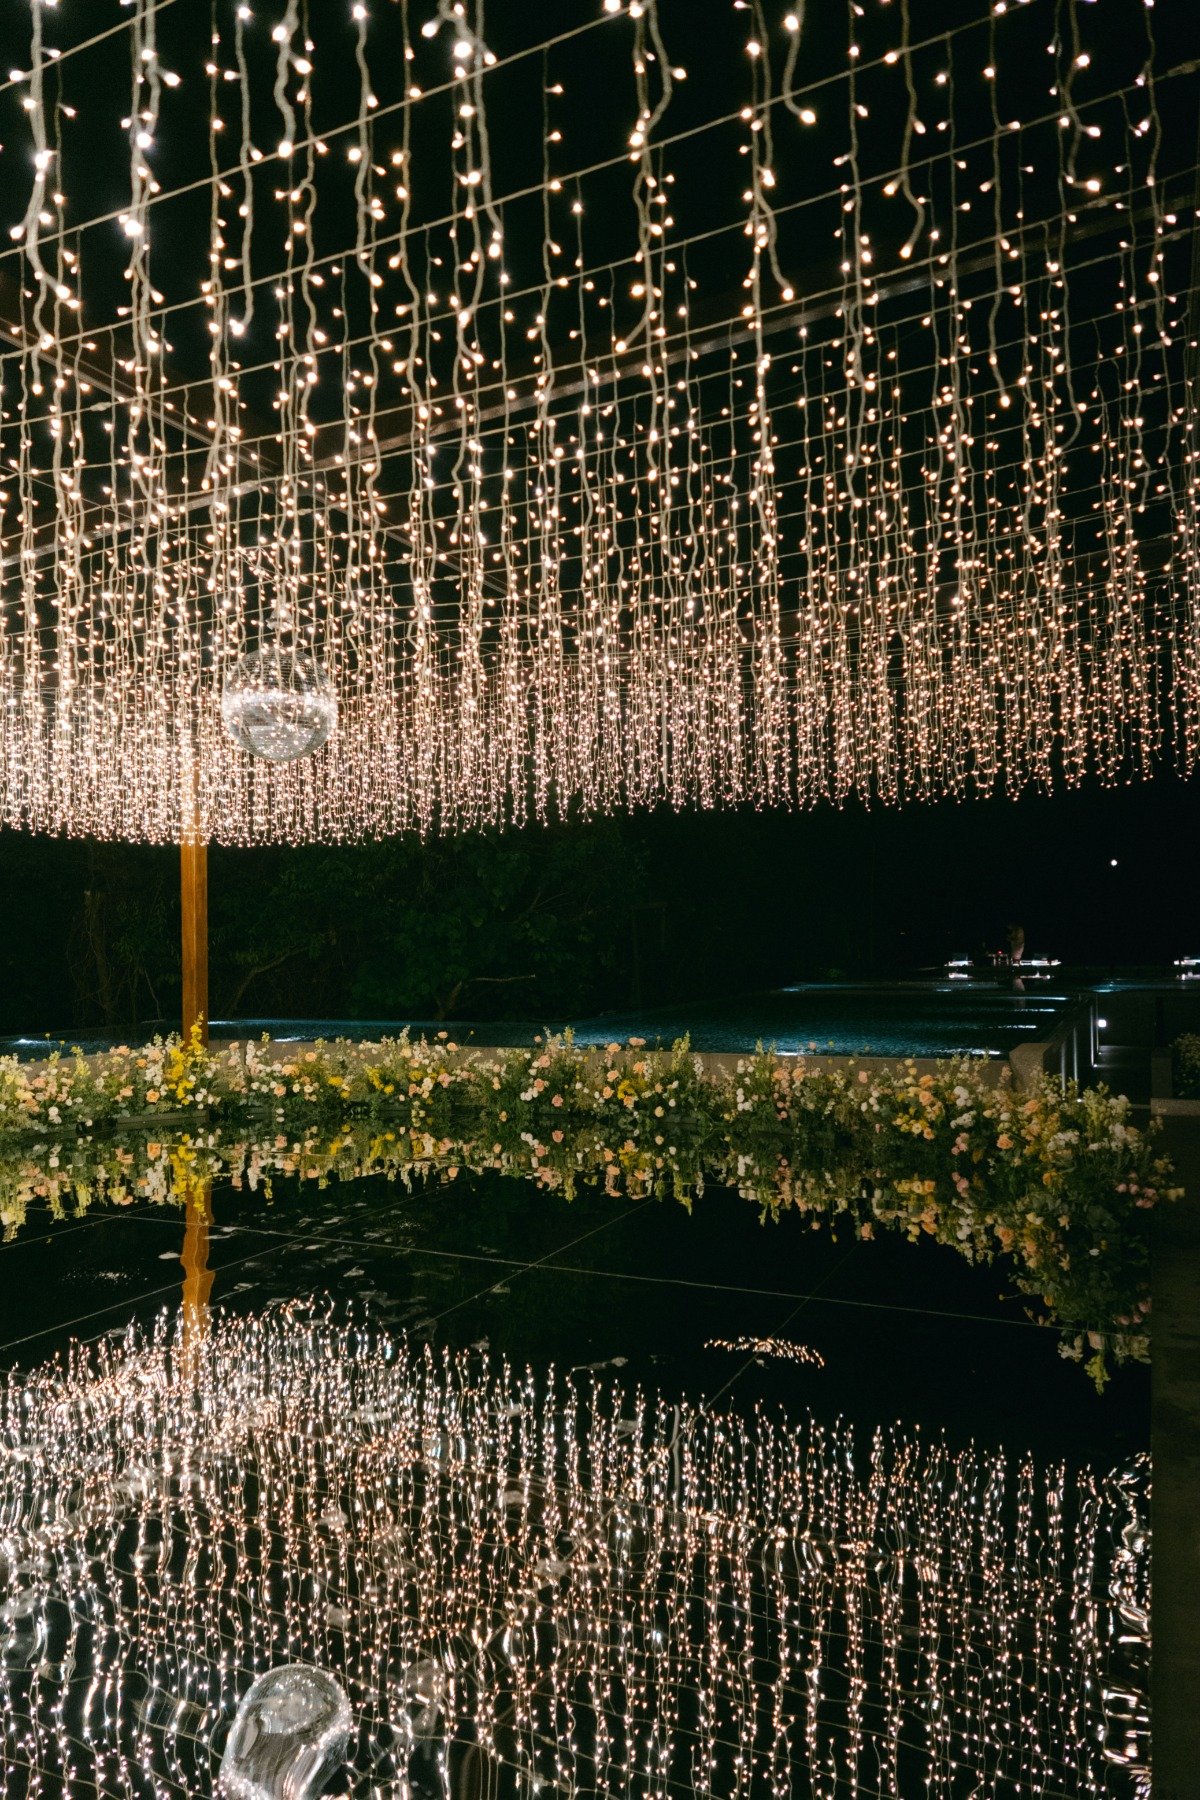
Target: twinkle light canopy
[(699, 405)]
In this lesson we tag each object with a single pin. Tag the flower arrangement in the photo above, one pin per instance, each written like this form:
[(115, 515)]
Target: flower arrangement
[(1185, 1057), (1056, 1182)]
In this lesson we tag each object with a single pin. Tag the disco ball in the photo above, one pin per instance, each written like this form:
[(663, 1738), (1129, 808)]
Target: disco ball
[(279, 704)]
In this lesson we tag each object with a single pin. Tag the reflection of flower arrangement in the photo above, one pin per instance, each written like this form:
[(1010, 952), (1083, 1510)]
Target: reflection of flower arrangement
[(1059, 1182)]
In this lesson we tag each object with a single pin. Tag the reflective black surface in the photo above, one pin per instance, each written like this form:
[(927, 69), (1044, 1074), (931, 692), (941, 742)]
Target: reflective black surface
[(906, 1331)]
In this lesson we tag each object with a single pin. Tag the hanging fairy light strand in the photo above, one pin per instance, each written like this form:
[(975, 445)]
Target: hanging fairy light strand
[(488, 455)]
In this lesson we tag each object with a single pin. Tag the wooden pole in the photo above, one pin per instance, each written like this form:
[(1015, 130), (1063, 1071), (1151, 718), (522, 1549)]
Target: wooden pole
[(193, 893)]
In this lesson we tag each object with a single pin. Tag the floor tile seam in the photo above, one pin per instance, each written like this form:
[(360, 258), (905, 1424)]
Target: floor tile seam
[(527, 1268), (515, 1264), (417, 1251), (127, 1300), (719, 1287), (548, 1263), (710, 1400), (60, 1229), (362, 1248)]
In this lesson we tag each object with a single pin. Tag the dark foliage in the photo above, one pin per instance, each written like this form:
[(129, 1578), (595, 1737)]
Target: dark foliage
[(554, 923)]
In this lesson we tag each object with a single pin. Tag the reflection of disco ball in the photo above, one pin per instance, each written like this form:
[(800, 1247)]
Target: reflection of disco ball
[(279, 704), (291, 1731)]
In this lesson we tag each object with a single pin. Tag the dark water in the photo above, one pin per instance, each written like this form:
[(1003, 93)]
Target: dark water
[(909, 1019), (919, 1018)]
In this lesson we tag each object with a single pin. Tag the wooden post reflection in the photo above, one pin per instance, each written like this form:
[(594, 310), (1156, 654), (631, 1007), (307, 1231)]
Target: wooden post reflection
[(197, 1276), (193, 893)]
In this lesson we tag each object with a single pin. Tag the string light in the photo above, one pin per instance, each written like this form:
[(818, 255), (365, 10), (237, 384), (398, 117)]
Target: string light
[(461, 444), (576, 1583)]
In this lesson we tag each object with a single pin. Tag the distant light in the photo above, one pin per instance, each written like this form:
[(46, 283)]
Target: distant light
[(1103, 1024), (1113, 863)]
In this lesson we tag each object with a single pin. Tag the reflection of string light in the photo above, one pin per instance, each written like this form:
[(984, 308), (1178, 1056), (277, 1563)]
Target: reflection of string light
[(556, 547), (602, 1590), (769, 1346)]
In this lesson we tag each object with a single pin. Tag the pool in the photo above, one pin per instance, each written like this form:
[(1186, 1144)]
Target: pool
[(917, 1018)]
